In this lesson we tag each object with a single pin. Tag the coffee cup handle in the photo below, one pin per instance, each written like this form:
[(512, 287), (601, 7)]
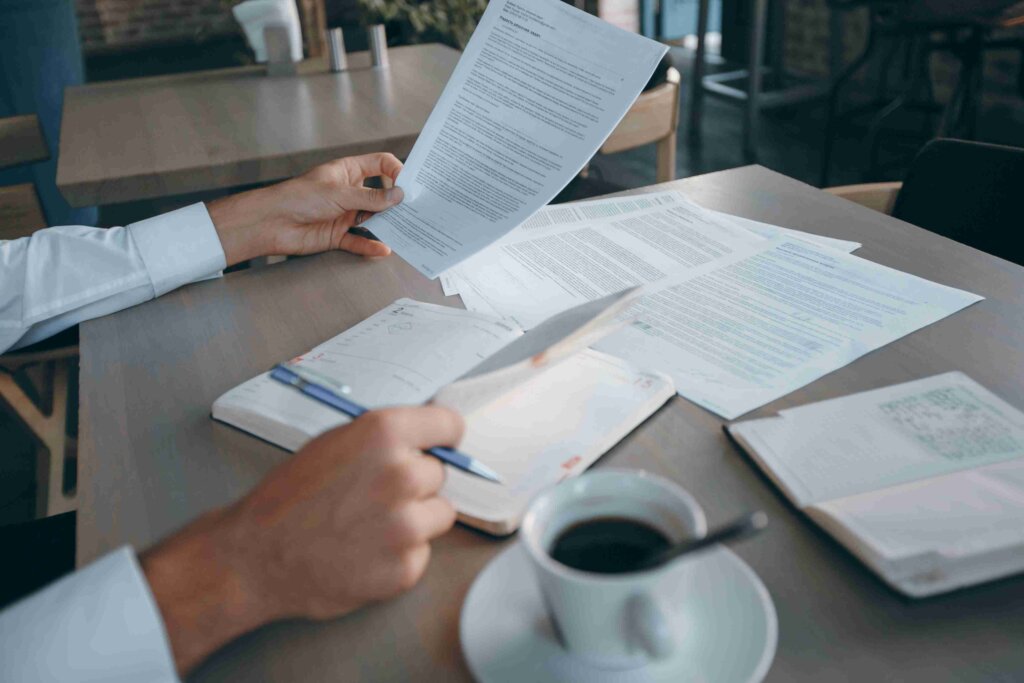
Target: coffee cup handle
[(649, 626)]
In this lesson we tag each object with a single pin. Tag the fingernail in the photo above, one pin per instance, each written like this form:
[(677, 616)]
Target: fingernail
[(394, 195)]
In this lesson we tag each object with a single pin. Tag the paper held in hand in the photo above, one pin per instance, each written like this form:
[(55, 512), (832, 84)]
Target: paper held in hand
[(537, 90), (539, 406)]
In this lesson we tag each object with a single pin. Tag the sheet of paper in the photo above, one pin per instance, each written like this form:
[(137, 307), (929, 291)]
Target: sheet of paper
[(552, 219), (555, 217), (746, 329), (769, 231), (537, 90), (530, 279), (878, 439), (600, 400), (400, 355)]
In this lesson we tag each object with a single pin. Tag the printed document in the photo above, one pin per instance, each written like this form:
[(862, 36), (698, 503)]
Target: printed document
[(528, 280), (536, 92), (553, 218), (744, 330)]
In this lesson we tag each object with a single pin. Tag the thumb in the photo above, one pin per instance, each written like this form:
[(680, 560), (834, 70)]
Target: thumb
[(373, 199)]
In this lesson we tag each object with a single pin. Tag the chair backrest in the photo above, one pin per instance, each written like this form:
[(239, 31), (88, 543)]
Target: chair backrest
[(21, 141), (654, 117), (970, 192), (20, 212)]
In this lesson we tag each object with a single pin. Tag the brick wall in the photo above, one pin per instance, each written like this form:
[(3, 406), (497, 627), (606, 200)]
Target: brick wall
[(107, 25), (807, 40)]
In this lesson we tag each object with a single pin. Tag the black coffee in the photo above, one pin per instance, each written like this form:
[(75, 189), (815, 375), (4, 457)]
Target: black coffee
[(608, 545)]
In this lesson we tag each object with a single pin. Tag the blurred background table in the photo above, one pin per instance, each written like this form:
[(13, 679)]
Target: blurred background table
[(171, 135), (153, 460)]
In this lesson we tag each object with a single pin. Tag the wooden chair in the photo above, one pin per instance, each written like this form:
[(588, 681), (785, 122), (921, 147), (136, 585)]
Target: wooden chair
[(21, 142), (653, 118), (877, 196), (35, 382)]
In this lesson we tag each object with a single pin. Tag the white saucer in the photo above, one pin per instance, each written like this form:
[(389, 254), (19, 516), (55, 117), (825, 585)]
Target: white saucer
[(727, 621)]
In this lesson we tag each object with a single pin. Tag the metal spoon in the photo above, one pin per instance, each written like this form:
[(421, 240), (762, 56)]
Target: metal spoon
[(742, 527)]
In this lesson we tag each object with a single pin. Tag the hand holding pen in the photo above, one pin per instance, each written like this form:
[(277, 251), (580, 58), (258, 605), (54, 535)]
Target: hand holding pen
[(295, 377)]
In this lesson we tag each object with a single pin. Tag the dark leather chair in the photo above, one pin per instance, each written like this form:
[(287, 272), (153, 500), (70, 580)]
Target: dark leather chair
[(967, 191)]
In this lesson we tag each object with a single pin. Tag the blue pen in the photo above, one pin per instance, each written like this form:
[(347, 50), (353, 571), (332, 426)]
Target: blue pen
[(286, 375)]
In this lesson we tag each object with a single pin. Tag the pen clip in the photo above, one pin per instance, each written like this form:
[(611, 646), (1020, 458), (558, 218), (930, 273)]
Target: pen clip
[(314, 377)]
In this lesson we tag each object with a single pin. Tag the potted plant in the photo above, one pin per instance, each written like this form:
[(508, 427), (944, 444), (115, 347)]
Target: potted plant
[(451, 21), (454, 20)]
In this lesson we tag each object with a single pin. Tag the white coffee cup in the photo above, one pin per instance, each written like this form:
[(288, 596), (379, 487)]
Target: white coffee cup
[(613, 620)]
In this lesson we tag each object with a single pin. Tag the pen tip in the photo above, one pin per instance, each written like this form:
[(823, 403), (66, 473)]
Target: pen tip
[(485, 472)]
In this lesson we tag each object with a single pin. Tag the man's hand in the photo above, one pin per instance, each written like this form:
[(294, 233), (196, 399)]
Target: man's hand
[(307, 214), (345, 522)]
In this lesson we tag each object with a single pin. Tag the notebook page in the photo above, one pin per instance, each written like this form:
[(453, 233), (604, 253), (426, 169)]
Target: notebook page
[(575, 411), (553, 341), (938, 534), (885, 437), (401, 355)]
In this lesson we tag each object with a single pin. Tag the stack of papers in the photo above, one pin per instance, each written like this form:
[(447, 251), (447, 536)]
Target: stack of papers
[(738, 313), (923, 481), (570, 253)]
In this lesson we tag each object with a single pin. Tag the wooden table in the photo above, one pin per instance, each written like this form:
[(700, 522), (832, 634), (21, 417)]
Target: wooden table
[(154, 459), (170, 135)]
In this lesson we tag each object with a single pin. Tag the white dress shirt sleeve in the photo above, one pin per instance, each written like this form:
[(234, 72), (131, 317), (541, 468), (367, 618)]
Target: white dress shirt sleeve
[(62, 276), (100, 623)]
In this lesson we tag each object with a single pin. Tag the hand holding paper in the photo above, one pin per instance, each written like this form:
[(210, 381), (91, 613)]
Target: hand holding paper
[(538, 89)]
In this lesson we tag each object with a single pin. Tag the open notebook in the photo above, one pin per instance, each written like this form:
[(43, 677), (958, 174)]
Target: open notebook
[(539, 406), (923, 481)]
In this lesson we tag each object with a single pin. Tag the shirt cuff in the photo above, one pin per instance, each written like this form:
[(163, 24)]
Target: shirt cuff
[(100, 623), (179, 247)]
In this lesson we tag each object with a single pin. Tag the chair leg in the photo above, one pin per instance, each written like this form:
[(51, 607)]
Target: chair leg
[(50, 431), (958, 118), (752, 109), (928, 98), (873, 130), (666, 158), (833, 103), (910, 86), (1020, 73), (882, 87), (696, 89), (973, 103)]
